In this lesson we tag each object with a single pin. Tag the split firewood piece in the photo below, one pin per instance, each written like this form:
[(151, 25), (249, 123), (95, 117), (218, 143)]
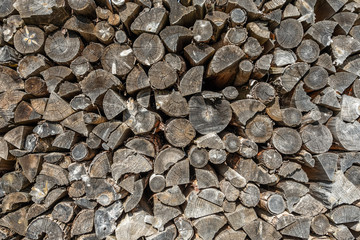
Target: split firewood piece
[(162, 75), (93, 52), (81, 67), (25, 113), (10, 80), (157, 183), (63, 47), (330, 195), (65, 140), (286, 140), (184, 228), (148, 49), (229, 233), (231, 142), (81, 152), (177, 62), (289, 27), (86, 8), (104, 129), (198, 157), (324, 9), (341, 81), (13, 201), (162, 214), (118, 136), (353, 174), (241, 217), (138, 118), (245, 109), (105, 218), (44, 225), (32, 65), (352, 64), (100, 165), (133, 200), (250, 195), (345, 214), (131, 164), (178, 174), (320, 224), (128, 13), (179, 132), (325, 61), (230, 92), (245, 69), (210, 140), (256, 30), (206, 177), (113, 104), (272, 202), (350, 108), (29, 40), (57, 174), (223, 66), (231, 192), (173, 104), (316, 138), (202, 31), (191, 82), (309, 206), (169, 232), (97, 83), (299, 229), (207, 116), (7, 8), (83, 222), (142, 146), (291, 75), (198, 54), (76, 123), (63, 211), (133, 226), (179, 14), (248, 5), (271, 158), (100, 190), (176, 37), (16, 136), (292, 192), (13, 182), (282, 58), (212, 195), (294, 171), (231, 175), (137, 80), (259, 129), (259, 229), (16, 221), (36, 86), (301, 100), (329, 99), (118, 59), (308, 51), (342, 47), (263, 92), (248, 148), (31, 165), (152, 21), (57, 108), (39, 104), (321, 32), (197, 207), (62, 72), (83, 26), (208, 226), (346, 135)]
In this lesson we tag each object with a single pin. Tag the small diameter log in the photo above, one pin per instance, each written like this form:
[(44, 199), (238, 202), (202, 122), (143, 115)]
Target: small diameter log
[(316, 78), (104, 32), (63, 48), (291, 117), (93, 52), (263, 92), (308, 51), (248, 148), (179, 132), (286, 140), (198, 157), (217, 156), (81, 152), (289, 34), (230, 93), (191, 82), (29, 40), (207, 116), (237, 17), (202, 31), (157, 183), (272, 202), (270, 158), (162, 75), (231, 142), (320, 224), (243, 75), (252, 48), (86, 7), (63, 212), (148, 49)]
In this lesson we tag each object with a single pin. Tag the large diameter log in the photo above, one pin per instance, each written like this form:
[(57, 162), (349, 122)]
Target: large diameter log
[(207, 116), (316, 138), (289, 33), (148, 49), (29, 40)]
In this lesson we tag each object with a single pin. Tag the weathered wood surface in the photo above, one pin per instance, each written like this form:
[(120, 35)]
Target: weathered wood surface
[(189, 119)]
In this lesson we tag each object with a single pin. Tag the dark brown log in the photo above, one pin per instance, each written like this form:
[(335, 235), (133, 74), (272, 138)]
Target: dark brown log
[(32, 65), (175, 37), (16, 221), (207, 116), (155, 20), (86, 8), (36, 86), (245, 109), (179, 14), (148, 49), (63, 211), (252, 48), (93, 52), (223, 66), (25, 113), (137, 80), (172, 104), (69, 48), (81, 152), (83, 222), (83, 26), (324, 9), (118, 59), (29, 40), (179, 132)]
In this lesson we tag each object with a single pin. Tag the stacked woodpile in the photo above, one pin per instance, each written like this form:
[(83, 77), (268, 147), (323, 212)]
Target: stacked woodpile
[(190, 119)]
